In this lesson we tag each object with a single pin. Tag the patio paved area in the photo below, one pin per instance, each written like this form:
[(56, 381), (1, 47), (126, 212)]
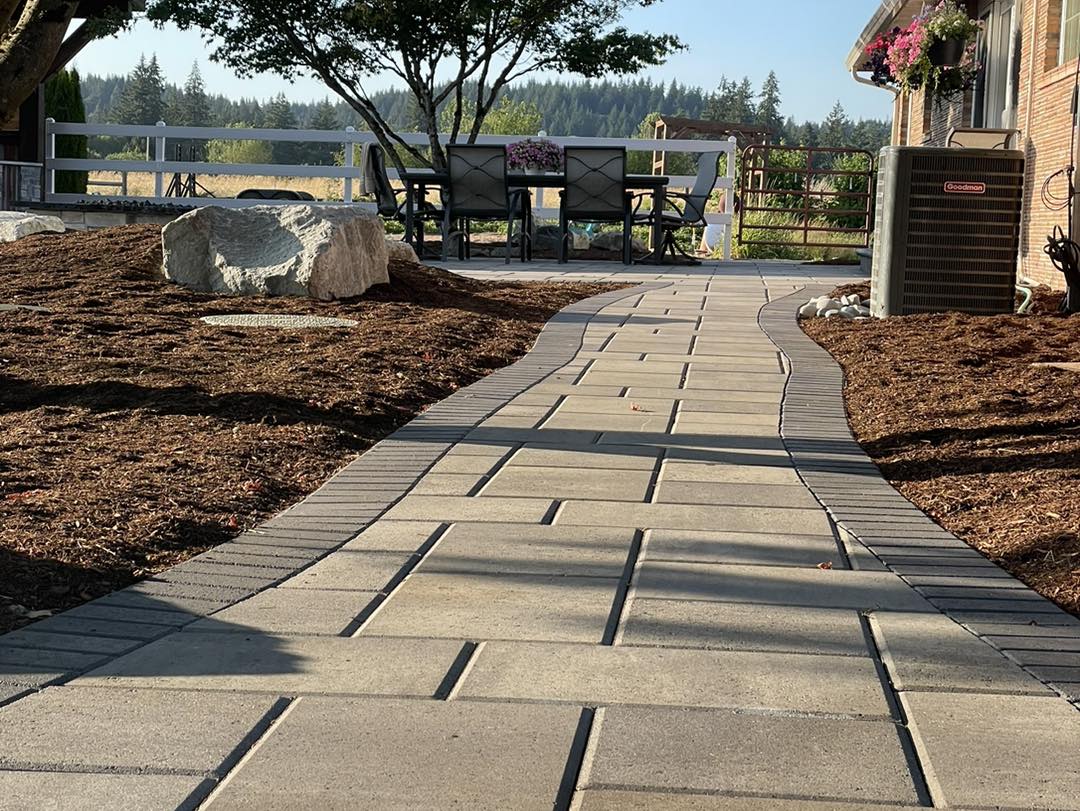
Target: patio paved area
[(616, 592)]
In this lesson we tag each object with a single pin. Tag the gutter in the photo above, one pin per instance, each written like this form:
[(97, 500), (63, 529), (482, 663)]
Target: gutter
[(861, 80)]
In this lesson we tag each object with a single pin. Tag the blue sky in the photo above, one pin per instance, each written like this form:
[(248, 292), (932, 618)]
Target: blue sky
[(804, 41)]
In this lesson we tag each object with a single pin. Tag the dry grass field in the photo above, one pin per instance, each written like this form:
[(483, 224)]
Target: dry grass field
[(141, 184)]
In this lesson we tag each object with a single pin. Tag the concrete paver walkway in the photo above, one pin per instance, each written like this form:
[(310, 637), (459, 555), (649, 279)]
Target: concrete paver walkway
[(615, 593)]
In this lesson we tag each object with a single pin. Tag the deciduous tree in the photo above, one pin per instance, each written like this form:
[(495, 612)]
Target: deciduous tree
[(436, 47), (33, 44)]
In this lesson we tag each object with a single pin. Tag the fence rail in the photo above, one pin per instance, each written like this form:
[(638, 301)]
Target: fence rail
[(349, 174)]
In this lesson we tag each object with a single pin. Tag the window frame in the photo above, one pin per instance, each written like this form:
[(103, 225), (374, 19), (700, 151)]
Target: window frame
[(1070, 10)]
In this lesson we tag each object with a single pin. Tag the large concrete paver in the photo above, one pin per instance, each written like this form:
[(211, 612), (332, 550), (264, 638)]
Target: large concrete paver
[(483, 606), (83, 729), (567, 482), (286, 665), (288, 611), (931, 652), (778, 585), (743, 626), (352, 570), (691, 517), (765, 548), (615, 800), (993, 750), (745, 753), (530, 549), (582, 674), (72, 791), (383, 754)]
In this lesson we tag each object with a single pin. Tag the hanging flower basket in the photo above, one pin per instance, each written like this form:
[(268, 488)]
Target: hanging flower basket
[(947, 52), (936, 52)]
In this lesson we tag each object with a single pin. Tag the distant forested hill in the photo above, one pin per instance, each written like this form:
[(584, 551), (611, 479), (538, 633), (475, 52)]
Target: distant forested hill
[(585, 108)]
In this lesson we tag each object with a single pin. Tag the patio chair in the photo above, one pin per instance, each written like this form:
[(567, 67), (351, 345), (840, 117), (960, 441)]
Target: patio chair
[(595, 192), (684, 210), (479, 189), (377, 181)]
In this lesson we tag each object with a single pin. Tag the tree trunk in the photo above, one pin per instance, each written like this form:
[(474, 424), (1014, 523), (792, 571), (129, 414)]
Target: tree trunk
[(28, 48)]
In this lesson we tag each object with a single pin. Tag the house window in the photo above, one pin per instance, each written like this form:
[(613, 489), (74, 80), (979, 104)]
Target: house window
[(1070, 31)]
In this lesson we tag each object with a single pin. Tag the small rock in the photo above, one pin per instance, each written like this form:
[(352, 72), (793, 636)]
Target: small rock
[(849, 311), (831, 313), (863, 310), (401, 252), (848, 300), (808, 310)]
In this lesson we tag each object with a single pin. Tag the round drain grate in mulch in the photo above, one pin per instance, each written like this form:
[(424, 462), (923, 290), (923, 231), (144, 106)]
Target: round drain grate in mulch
[(277, 321)]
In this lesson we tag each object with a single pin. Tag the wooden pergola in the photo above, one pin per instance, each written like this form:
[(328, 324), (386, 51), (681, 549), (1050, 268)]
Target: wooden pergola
[(670, 127)]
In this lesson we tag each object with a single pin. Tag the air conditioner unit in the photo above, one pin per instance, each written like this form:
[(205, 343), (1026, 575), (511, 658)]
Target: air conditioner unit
[(947, 231)]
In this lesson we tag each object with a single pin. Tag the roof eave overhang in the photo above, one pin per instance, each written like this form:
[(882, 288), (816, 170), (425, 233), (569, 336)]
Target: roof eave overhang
[(889, 14)]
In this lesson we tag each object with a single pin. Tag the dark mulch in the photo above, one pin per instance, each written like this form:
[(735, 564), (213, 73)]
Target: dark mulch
[(133, 436), (958, 419)]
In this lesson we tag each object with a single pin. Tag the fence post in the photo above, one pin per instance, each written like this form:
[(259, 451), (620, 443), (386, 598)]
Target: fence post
[(733, 151), (159, 154), (50, 154), (347, 195)]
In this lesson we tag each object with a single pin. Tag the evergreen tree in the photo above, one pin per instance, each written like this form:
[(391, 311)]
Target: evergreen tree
[(834, 129), (279, 115), (63, 102), (325, 118), (142, 101), (743, 103), (768, 106), (196, 107)]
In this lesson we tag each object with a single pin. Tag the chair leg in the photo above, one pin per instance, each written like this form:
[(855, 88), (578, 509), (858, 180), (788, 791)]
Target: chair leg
[(563, 236), (445, 234), (529, 233), (509, 234), (628, 241)]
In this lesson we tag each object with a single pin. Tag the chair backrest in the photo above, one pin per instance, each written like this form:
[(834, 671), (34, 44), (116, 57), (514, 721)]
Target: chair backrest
[(979, 138), (595, 182), (477, 180), (380, 180), (707, 172)]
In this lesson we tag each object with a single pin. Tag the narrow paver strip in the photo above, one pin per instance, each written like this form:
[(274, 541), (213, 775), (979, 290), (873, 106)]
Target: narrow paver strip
[(600, 578)]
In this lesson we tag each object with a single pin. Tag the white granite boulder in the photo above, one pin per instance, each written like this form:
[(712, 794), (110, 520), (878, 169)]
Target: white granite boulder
[(17, 224), (322, 252)]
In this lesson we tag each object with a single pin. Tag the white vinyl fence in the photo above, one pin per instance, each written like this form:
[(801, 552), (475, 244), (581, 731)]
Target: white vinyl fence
[(349, 174)]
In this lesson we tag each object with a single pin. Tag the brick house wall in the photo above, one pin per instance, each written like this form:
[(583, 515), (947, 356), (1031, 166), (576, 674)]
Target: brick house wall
[(1045, 119)]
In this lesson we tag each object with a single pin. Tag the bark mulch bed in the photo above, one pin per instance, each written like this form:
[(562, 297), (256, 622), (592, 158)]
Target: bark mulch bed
[(133, 436), (959, 420)]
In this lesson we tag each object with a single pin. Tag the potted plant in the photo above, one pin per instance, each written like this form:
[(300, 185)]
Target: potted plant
[(534, 156), (951, 31), (924, 55)]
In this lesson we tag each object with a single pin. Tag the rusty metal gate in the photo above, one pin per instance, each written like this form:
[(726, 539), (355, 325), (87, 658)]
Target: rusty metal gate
[(806, 197)]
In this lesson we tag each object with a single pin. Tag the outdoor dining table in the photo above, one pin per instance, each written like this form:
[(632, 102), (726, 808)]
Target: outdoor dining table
[(418, 181)]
